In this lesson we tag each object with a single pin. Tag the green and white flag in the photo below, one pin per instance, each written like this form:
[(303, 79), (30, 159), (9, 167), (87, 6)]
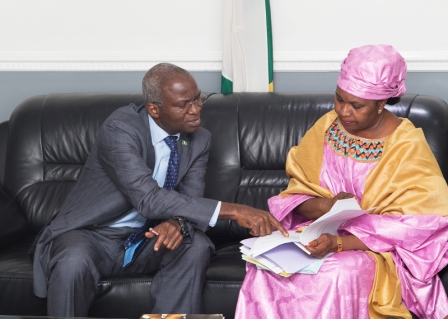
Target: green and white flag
[(247, 62)]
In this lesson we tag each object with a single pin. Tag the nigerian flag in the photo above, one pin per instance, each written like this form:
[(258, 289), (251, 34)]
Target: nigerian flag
[(247, 62)]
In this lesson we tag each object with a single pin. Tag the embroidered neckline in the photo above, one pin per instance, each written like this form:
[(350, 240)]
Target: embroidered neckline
[(360, 149)]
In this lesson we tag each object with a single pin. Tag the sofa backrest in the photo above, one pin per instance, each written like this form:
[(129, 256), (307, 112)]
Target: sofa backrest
[(50, 137), (4, 127), (252, 134)]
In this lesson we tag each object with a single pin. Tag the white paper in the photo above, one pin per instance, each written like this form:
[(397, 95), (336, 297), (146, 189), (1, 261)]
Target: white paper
[(293, 261), (280, 254), (265, 243), (289, 258), (341, 211)]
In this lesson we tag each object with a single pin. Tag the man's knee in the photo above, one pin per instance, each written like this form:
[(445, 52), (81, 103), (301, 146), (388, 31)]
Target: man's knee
[(73, 258), (73, 268), (200, 247), (203, 243)]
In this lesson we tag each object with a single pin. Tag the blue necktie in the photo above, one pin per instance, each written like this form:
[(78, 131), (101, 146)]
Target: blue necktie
[(137, 240), (173, 164)]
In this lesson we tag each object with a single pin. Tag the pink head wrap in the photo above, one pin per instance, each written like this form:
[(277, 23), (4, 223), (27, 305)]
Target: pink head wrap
[(373, 72)]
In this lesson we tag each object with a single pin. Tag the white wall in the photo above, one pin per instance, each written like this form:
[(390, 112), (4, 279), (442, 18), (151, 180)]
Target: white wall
[(53, 46), (132, 35)]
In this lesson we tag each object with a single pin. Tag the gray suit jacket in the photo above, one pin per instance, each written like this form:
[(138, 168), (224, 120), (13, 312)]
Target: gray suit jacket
[(117, 176)]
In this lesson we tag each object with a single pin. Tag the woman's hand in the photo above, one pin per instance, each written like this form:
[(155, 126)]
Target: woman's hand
[(327, 243), (341, 195), (322, 246), (314, 208)]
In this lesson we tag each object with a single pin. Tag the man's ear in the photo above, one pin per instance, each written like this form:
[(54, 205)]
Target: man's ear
[(153, 110)]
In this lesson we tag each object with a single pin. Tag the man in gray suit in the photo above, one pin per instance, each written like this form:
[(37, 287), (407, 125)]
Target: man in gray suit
[(121, 187)]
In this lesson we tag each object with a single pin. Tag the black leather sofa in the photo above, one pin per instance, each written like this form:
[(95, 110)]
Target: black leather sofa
[(46, 141)]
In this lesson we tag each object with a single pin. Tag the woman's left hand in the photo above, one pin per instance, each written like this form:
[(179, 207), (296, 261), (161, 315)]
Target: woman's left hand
[(323, 245), (327, 243)]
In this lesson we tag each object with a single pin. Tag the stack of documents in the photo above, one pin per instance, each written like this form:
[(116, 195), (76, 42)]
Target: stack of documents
[(288, 255), (279, 254)]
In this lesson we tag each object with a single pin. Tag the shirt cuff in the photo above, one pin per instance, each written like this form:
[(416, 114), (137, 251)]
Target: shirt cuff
[(214, 218)]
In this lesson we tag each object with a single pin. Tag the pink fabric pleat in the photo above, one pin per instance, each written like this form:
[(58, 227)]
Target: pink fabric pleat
[(339, 291), (419, 246)]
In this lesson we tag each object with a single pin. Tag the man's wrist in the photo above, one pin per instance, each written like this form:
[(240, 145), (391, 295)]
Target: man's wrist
[(184, 229), (228, 211)]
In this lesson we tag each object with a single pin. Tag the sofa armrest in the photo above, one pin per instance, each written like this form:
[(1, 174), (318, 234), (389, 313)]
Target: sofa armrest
[(227, 232), (13, 224), (3, 144)]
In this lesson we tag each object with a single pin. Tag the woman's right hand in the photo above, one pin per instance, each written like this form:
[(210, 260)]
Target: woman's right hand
[(332, 201), (314, 208)]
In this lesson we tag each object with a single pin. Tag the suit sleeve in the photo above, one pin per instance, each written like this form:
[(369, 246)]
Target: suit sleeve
[(193, 183), (122, 156)]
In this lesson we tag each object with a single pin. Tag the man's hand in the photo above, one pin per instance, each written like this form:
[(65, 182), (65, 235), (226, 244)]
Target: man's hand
[(259, 222), (169, 236)]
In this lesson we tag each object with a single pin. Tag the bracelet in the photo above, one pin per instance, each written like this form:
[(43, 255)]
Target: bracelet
[(183, 226), (339, 241)]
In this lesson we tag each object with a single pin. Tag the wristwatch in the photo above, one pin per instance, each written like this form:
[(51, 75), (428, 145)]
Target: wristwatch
[(184, 230), (339, 241)]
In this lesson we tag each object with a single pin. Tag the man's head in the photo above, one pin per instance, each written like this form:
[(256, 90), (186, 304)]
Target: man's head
[(172, 98)]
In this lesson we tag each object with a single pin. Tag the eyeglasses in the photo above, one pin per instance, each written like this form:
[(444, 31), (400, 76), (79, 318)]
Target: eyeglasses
[(199, 102), (187, 106)]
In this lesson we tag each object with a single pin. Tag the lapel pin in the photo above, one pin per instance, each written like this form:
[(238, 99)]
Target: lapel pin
[(184, 142)]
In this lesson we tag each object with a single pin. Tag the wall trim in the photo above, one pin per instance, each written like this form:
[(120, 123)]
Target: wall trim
[(283, 61)]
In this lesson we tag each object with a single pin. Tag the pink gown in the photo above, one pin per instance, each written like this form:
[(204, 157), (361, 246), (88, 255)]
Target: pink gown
[(342, 286)]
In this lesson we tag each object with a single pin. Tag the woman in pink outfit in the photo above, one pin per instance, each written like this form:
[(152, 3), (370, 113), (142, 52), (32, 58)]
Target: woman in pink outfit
[(385, 263)]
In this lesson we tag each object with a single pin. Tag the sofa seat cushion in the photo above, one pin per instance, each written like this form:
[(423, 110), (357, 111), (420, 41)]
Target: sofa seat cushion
[(119, 296), (223, 280), (16, 280)]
